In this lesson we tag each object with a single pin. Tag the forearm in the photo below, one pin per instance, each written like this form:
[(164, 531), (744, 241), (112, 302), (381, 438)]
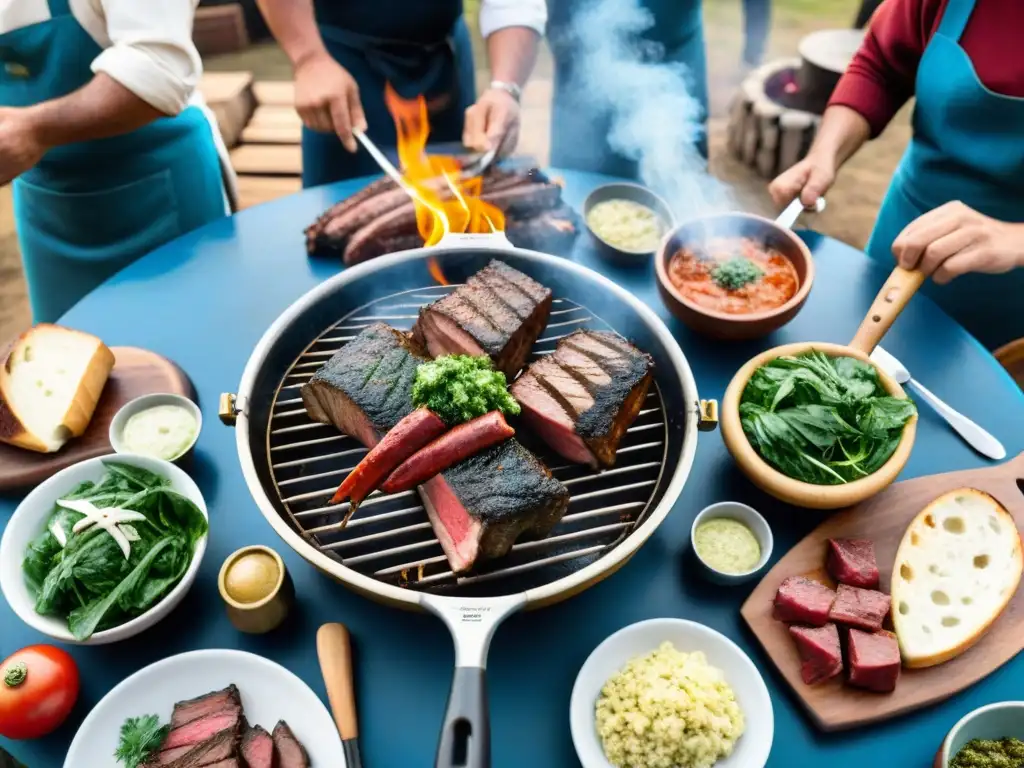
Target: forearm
[(843, 131), (513, 52), (293, 25), (101, 108)]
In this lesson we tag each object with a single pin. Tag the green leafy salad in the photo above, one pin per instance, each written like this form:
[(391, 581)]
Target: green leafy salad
[(820, 419), (460, 387), (112, 550)]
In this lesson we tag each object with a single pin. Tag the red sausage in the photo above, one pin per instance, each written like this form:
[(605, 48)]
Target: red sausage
[(448, 450), (408, 436)]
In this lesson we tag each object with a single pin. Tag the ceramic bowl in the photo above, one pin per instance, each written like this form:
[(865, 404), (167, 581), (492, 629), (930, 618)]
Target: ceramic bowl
[(636, 194), (31, 515), (721, 325), (996, 721), (751, 518), (140, 404), (609, 657)]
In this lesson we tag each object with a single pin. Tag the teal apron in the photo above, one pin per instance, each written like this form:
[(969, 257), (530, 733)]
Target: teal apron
[(419, 48), (968, 145), (579, 125), (89, 209)]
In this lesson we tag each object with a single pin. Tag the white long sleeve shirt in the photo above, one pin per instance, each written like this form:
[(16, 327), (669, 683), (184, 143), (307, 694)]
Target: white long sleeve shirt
[(147, 44), (498, 14)]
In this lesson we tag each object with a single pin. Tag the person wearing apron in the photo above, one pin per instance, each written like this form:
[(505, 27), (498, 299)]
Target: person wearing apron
[(345, 54), (101, 175), (581, 123), (955, 206)]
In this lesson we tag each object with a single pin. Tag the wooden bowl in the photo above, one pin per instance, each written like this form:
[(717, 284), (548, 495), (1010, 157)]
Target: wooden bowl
[(722, 325), (890, 301)]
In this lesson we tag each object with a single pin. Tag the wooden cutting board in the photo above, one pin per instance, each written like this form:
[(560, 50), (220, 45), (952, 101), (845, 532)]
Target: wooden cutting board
[(136, 372), (883, 519)]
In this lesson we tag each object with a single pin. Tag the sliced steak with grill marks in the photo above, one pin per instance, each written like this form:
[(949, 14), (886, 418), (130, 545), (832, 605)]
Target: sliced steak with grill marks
[(290, 753), (217, 748), (258, 748), (582, 398), (216, 701), (204, 728), (365, 389), (479, 507), (499, 312)]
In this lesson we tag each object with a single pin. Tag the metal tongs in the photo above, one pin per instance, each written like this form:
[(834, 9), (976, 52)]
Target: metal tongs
[(792, 212), (478, 167)]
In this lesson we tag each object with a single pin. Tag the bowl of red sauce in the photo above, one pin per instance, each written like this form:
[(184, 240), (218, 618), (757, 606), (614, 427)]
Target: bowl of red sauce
[(734, 275)]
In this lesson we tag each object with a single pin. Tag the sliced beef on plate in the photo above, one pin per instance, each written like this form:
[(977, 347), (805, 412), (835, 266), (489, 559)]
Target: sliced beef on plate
[(862, 608), (479, 507), (820, 653), (290, 753), (582, 398), (257, 748), (222, 746), (204, 728), (365, 388), (874, 660), (499, 312), (184, 712), (852, 561), (803, 601), (231, 762)]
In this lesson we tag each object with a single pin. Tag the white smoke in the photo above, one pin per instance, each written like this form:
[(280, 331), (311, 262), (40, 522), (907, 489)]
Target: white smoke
[(654, 119)]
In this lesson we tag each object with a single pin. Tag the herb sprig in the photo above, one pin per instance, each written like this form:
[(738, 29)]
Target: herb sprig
[(140, 738), (460, 387), (736, 273)]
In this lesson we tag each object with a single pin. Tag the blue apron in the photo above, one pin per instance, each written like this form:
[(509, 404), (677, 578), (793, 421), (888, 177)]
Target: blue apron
[(89, 209), (968, 145), (579, 127), (419, 48)]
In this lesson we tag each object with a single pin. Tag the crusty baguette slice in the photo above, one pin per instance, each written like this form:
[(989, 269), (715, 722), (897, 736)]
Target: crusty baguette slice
[(51, 379), (956, 569)]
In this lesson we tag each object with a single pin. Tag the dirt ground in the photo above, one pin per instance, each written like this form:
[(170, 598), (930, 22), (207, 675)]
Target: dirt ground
[(852, 204)]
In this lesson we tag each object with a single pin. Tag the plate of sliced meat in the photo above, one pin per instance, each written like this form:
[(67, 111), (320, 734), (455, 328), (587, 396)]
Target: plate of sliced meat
[(467, 429), (216, 709)]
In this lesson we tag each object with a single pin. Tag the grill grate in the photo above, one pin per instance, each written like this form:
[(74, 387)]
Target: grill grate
[(389, 537)]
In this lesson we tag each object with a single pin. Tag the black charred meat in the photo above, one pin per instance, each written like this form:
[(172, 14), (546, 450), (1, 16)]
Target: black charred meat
[(289, 752), (582, 398), (365, 389), (479, 506), (499, 312)]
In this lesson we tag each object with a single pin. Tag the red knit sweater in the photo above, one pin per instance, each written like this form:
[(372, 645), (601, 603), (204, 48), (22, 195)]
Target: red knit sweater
[(881, 76)]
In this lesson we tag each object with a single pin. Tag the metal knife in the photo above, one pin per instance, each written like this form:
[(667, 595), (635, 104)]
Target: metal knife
[(979, 439), (334, 648)]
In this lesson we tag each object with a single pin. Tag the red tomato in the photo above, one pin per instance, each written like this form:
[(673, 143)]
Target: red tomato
[(38, 688)]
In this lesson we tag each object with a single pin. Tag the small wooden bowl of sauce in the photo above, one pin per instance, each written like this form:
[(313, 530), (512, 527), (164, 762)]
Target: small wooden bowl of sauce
[(734, 275), (256, 588)]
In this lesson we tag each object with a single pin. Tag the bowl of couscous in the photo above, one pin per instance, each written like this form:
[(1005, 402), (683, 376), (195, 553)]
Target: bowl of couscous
[(626, 222), (670, 693)]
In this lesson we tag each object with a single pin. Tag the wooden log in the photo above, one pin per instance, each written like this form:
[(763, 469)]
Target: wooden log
[(253, 190), (267, 160), (220, 29), (275, 93), (272, 134), (276, 117), (230, 97)]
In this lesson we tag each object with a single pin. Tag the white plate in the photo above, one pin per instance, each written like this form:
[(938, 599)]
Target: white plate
[(269, 693), (752, 748)]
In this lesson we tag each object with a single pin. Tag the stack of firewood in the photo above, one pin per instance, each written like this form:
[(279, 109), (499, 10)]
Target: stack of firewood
[(381, 218)]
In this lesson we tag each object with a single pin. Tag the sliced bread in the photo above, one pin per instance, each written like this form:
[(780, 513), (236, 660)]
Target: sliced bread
[(50, 382), (956, 569)]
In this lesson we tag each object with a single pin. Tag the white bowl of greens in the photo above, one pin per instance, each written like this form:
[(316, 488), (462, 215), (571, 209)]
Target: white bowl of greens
[(82, 574)]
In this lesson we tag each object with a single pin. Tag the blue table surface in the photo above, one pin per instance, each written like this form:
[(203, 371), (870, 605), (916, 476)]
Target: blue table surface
[(206, 299)]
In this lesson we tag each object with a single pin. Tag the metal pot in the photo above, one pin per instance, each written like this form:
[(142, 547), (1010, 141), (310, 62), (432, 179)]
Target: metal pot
[(387, 551)]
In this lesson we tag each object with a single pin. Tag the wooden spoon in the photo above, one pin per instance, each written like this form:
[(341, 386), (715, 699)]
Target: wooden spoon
[(334, 648)]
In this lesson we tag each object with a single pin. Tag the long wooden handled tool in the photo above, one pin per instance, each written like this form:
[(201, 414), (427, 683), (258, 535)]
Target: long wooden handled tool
[(334, 648)]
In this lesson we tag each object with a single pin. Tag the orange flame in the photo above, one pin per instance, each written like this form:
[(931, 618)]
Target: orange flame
[(445, 203)]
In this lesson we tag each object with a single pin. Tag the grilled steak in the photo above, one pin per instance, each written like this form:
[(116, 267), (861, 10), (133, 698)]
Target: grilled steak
[(480, 506), (231, 762), (204, 728), (584, 397), (290, 753), (211, 751), (211, 703), (804, 601), (862, 608), (365, 389), (820, 653), (874, 660), (499, 312), (258, 748), (852, 561)]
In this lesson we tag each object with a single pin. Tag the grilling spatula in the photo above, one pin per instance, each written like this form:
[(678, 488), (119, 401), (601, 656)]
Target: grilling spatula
[(334, 648)]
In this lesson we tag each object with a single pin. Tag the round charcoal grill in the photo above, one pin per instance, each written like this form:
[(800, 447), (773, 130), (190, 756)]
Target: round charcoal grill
[(387, 550)]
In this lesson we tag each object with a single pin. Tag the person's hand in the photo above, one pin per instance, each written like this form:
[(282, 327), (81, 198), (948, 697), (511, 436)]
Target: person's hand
[(954, 239), (809, 179), (494, 116), (327, 98), (20, 145)]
